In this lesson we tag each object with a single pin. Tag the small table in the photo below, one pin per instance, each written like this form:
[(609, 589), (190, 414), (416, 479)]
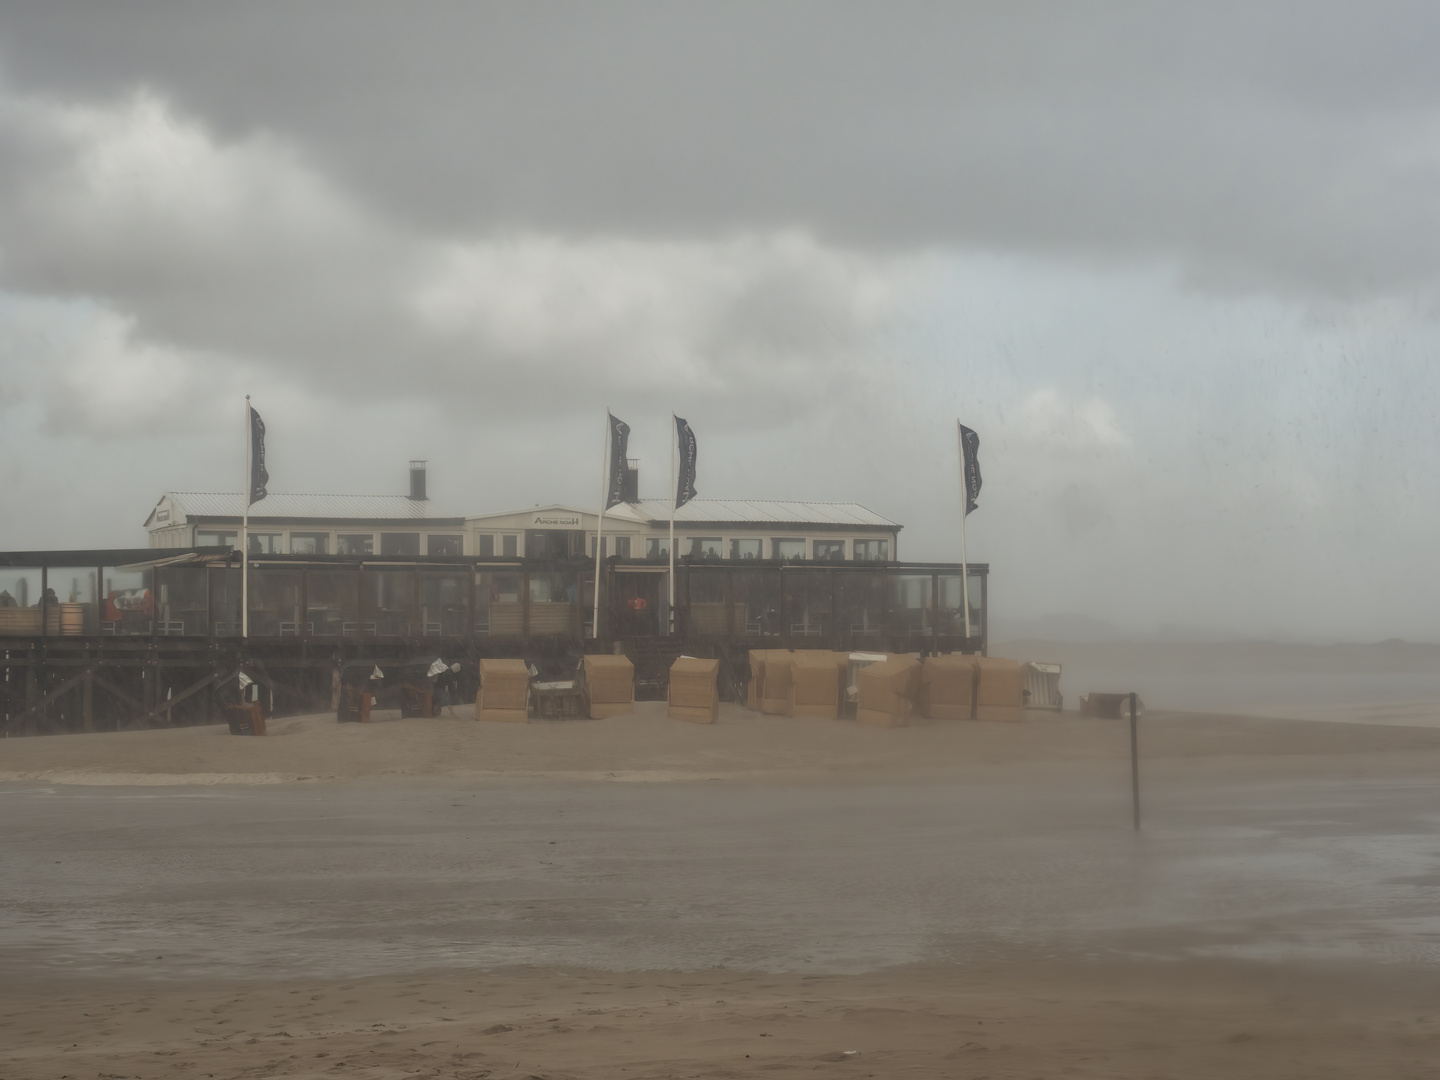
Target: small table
[(557, 700)]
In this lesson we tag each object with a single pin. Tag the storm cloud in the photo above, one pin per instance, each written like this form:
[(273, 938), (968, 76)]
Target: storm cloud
[(1177, 264)]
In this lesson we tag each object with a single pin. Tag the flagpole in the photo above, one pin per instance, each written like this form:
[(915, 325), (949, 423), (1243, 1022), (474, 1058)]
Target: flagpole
[(245, 526), (600, 528), (964, 513), (674, 497)]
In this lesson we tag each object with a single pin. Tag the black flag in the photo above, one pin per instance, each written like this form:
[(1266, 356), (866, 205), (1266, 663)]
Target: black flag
[(258, 476), (970, 466), (685, 482), (619, 441)]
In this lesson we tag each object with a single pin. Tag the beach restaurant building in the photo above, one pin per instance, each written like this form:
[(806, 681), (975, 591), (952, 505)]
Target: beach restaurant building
[(399, 525)]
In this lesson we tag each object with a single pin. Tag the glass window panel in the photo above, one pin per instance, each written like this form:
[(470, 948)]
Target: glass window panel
[(657, 547), (872, 550), (758, 591), (128, 606), (788, 548), (400, 543), (444, 604), (355, 544), (333, 603), (604, 546), (622, 547), (510, 545), (745, 549), (829, 550), (184, 597), (309, 543), (499, 609), (485, 544), (274, 601), (217, 538), (443, 544), (704, 547), (265, 543)]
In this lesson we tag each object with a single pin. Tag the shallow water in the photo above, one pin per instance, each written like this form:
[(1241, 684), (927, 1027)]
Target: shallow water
[(383, 877)]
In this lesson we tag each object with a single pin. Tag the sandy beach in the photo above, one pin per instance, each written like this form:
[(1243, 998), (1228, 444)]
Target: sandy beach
[(640, 897)]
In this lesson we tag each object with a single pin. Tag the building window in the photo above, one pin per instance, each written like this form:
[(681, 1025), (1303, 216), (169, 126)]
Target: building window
[(872, 550), (510, 545), (216, 539), (622, 547), (829, 551), (604, 546), (355, 544), (657, 547), (704, 547), (788, 548), (399, 543), (485, 544), (266, 543), (443, 544), (745, 549), (309, 543)]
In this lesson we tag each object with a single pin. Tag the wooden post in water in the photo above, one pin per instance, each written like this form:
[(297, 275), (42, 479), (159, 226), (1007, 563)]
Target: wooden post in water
[(1134, 763)]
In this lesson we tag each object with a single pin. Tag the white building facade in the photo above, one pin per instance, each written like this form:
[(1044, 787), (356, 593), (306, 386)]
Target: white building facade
[(708, 529)]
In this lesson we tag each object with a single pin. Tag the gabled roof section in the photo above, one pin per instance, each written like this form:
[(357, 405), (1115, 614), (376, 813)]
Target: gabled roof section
[(763, 512), (194, 504)]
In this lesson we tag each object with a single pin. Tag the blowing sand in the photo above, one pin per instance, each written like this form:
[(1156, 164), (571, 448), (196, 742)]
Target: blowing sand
[(1129, 990)]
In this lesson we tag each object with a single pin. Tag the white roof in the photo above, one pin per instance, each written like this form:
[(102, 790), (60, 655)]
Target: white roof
[(763, 511), (280, 505)]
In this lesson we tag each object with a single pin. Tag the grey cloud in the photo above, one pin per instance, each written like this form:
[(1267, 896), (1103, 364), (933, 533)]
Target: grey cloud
[(1258, 144)]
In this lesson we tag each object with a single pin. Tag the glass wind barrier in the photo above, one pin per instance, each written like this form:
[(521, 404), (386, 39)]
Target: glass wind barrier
[(128, 604), (862, 604), (758, 592), (499, 610), (950, 604), (553, 601), (183, 598), (332, 603), (275, 609), (20, 593), (388, 599), (445, 604), (225, 601), (910, 605), (74, 598), (711, 612), (808, 611)]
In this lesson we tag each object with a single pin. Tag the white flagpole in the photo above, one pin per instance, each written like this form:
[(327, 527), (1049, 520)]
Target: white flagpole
[(964, 561), (245, 527), (674, 497), (600, 528)]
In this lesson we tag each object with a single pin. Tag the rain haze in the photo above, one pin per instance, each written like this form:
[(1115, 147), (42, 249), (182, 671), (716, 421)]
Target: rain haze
[(1176, 264), (505, 809)]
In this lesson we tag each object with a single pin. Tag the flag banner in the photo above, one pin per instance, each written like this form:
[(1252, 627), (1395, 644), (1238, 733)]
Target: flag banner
[(970, 465), (685, 482), (619, 443), (258, 476)]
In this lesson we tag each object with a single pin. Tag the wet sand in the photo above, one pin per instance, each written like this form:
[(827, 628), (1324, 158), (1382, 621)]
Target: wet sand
[(642, 897)]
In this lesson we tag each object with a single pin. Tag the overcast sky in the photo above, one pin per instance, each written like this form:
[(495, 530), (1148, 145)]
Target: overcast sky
[(1179, 265)]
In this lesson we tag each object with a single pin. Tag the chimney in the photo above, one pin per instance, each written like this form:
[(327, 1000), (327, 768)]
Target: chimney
[(417, 481), (630, 490)]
